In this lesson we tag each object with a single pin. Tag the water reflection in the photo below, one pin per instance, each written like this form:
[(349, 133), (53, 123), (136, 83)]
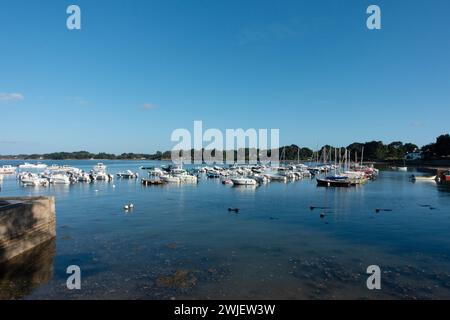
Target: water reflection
[(245, 188), (21, 275), (180, 240), (444, 187)]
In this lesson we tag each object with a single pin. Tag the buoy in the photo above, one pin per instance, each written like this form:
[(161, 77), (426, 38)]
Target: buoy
[(233, 209), (131, 206), (322, 214), (113, 185), (126, 207)]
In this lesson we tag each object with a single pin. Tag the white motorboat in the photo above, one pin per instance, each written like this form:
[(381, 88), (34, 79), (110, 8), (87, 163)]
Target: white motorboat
[(99, 173), (83, 177), (260, 178), (103, 176), (305, 174), (402, 168), (170, 179), (32, 179), (423, 178), (177, 171), (7, 169), (38, 165), (187, 178), (59, 179), (128, 175), (355, 174), (155, 172), (99, 167), (243, 181), (276, 177)]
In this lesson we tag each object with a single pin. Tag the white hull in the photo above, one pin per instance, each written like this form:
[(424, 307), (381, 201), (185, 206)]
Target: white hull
[(170, 179), (244, 182), (32, 166), (7, 170), (187, 178), (433, 178), (59, 179), (275, 177), (33, 181), (128, 175)]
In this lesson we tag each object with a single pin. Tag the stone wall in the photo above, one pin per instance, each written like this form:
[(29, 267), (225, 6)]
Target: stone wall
[(25, 222), (20, 275)]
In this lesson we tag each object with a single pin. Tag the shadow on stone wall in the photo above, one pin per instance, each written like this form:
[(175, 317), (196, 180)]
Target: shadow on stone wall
[(22, 274)]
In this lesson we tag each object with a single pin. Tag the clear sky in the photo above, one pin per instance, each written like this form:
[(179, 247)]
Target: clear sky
[(137, 70)]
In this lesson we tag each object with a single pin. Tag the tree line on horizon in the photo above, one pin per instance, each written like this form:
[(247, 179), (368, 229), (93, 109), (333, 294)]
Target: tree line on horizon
[(372, 151)]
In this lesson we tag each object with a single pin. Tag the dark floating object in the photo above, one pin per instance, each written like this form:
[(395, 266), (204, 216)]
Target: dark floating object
[(425, 205), (322, 214), (272, 218), (233, 210), (323, 208), (433, 208), (386, 210)]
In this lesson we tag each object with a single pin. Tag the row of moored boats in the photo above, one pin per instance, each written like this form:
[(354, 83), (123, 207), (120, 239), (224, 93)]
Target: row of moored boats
[(43, 175)]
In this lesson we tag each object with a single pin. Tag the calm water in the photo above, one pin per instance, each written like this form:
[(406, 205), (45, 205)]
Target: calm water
[(181, 241)]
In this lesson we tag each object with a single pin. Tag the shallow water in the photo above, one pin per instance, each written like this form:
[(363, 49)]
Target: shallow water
[(181, 241)]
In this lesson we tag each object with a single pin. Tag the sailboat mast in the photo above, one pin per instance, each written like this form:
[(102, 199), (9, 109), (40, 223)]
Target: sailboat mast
[(362, 155)]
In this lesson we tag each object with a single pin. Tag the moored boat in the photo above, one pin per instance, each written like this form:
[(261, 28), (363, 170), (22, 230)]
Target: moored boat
[(170, 179), (445, 177), (59, 179), (38, 165), (99, 167), (334, 181), (423, 178), (227, 181), (32, 179), (128, 175), (243, 181)]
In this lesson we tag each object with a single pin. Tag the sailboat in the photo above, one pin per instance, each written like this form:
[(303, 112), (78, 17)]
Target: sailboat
[(336, 180)]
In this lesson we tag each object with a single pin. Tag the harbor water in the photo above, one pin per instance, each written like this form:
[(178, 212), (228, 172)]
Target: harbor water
[(180, 241)]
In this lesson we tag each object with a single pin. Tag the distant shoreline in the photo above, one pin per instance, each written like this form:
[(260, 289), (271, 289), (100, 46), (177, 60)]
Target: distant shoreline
[(437, 163), (441, 163)]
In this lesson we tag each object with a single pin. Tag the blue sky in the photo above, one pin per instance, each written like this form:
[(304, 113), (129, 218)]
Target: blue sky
[(137, 70)]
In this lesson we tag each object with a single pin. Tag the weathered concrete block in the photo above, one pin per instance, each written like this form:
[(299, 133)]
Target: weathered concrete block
[(25, 222), (20, 275)]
